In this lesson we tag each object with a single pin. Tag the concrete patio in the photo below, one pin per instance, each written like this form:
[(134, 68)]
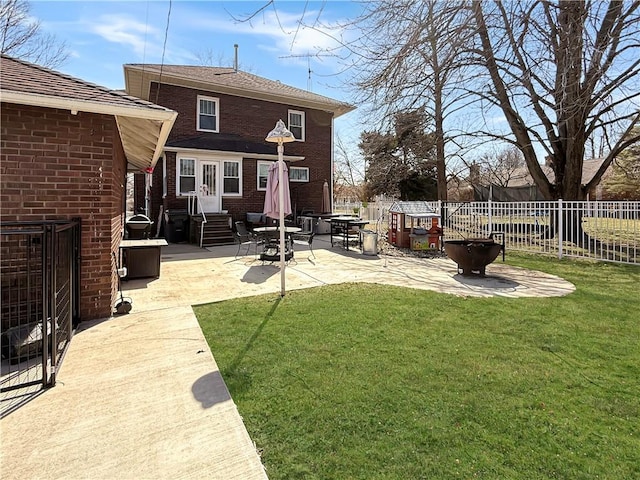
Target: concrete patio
[(140, 395)]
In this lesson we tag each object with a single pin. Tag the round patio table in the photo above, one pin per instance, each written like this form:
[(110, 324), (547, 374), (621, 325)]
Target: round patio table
[(271, 248), (268, 233), (277, 229)]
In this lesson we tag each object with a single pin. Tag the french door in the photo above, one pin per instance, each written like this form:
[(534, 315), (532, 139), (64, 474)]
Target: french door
[(209, 188)]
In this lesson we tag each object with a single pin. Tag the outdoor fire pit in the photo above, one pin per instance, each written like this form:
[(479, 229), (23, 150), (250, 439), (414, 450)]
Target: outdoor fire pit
[(473, 254)]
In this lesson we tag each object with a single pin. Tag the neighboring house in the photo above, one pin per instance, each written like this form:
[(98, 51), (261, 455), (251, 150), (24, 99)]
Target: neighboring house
[(66, 146), (343, 193), (217, 146), (518, 185)]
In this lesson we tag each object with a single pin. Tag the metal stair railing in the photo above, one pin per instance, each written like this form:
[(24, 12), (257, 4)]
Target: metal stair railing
[(195, 201)]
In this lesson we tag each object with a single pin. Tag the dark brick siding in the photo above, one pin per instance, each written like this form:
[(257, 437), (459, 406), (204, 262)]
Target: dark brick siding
[(55, 165), (252, 119)]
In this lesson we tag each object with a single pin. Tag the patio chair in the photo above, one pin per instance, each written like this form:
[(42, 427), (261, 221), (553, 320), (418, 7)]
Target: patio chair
[(246, 238), (304, 238)]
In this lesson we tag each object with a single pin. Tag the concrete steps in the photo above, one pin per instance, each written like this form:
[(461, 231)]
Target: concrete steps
[(216, 231)]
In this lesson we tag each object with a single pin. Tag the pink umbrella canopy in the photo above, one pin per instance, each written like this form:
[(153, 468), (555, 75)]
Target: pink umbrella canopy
[(326, 204), (271, 203)]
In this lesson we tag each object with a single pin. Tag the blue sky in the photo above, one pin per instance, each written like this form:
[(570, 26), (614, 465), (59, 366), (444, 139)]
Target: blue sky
[(104, 35)]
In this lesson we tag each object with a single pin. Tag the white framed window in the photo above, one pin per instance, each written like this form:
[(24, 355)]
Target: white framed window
[(296, 124), (298, 174), (208, 117), (263, 173), (231, 177), (186, 175)]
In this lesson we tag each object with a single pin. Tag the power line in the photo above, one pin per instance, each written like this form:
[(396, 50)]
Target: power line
[(164, 48)]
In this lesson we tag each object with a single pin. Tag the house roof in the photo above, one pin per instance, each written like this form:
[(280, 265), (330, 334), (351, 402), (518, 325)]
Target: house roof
[(138, 78), (222, 142), (521, 177), (143, 126), (413, 208)]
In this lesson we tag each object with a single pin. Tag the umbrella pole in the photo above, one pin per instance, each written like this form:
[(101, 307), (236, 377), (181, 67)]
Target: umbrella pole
[(281, 203)]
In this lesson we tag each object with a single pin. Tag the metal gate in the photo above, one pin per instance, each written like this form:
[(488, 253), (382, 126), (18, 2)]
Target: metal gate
[(40, 299)]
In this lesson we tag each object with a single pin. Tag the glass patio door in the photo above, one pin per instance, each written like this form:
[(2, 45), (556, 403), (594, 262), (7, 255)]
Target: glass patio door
[(209, 186)]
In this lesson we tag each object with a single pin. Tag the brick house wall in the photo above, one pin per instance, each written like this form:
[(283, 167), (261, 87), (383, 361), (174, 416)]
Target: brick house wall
[(55, 165), (252, 119)]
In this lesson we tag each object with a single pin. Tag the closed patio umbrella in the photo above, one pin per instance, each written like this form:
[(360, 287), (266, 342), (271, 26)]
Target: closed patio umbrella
[(326, 204), (271, 202)]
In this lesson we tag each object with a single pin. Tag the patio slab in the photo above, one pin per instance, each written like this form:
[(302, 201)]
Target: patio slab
[(192, 276), (140, 395)]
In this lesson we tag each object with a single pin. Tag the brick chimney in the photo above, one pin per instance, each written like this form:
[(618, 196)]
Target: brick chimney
[(474, 173)]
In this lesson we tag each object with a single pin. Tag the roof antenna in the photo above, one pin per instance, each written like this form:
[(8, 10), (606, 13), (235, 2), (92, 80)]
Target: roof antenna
[(235, 63)]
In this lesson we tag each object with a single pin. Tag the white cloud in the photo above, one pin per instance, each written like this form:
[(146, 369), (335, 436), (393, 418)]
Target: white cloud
[(286, 31), (126, 31), (144, 40)]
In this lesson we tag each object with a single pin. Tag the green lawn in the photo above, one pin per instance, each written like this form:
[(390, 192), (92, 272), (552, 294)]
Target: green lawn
[(375, 382)]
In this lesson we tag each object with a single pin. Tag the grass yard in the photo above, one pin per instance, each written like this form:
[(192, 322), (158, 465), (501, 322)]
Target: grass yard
[(362, 381)]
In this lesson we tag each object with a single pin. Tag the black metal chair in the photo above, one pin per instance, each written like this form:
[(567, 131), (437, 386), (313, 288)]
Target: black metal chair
[(246, 238), (304, 238)]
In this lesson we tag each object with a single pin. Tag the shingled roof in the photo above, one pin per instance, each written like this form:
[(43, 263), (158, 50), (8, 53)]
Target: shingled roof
[(415, 208), (227, 80), (143, 126), (28, 78), (223, 142), (521, 177)]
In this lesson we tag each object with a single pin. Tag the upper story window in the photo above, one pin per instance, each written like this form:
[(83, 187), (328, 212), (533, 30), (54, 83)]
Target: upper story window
[(208, 114), (296, 124), (299, 174)]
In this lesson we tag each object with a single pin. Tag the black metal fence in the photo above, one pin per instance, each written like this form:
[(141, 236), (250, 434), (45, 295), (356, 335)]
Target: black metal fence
[(40, 299)]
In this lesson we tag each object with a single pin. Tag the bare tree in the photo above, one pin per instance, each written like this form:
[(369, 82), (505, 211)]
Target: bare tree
[(208, 57), (624, 181), (562, 72), (22, 37), (411, 55), (348, 173), (500, 167)]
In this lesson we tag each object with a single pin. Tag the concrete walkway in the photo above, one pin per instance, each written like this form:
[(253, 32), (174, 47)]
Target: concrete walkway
[(140, 396)]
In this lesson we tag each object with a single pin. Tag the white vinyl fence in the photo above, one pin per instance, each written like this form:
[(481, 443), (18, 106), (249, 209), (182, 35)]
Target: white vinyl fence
[(606, 231), (371, 211)]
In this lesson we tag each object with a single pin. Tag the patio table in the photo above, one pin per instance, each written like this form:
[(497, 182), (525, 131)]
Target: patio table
[(272, 249), (269, 233), (342, 230)]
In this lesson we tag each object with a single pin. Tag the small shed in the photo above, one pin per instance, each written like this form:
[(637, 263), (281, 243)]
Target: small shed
[(405, 217)]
